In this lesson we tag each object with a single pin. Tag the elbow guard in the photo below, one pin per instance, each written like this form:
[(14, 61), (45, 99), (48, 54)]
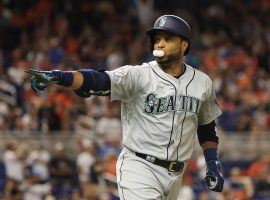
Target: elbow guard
[(207, 133), (94, 83)]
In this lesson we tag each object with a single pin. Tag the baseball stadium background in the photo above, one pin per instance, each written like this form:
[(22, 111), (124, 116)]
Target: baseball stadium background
[(55, 145)]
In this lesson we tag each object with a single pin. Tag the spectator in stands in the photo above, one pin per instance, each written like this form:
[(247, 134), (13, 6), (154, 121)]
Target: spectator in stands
[(109, 127), (61, 172), (34, 189), (38, 161), (241, 185), (85, 162), (116, 57), (186, 192), (111, 192), (259, 172), (201, 166), (145, 12), (262, 184), (13, 162), (244, 122), (257, 167), (85, 123), (30, 118)]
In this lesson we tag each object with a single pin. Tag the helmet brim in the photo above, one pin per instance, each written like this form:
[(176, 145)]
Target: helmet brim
[(151, 32)]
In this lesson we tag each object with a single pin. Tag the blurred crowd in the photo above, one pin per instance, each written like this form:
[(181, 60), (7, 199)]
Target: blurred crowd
[(30, 172), (243, 181), (231, 43)]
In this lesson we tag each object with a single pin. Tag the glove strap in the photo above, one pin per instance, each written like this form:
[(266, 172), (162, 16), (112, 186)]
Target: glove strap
[(210, 154)]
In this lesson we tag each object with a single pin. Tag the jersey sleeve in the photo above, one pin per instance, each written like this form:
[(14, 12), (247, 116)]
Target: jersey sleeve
[(124, 82), (210, 109)]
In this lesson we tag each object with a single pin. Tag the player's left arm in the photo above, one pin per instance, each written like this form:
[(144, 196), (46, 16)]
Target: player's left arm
[(209, 142)]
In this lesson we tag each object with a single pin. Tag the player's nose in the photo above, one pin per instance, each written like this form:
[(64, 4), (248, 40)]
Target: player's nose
[(161, 43)]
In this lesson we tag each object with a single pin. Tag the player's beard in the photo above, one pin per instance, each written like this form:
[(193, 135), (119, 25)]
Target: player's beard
[(170, 59)]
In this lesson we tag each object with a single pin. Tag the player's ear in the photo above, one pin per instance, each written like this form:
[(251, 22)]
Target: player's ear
[(184, 45)]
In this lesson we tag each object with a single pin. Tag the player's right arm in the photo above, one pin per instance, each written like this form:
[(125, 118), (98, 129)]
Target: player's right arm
[(119, 83), (85, 82)]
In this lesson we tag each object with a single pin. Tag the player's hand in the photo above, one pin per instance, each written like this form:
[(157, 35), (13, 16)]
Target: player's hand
[(214, 179), (42, 79)]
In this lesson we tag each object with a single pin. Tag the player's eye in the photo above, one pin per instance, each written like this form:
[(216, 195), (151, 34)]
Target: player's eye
[(156, 40), (168, 38)]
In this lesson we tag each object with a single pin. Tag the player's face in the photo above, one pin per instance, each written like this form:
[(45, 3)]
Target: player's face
[(171, 44)]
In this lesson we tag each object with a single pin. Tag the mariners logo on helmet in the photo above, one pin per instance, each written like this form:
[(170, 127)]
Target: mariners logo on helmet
[(163, 21)]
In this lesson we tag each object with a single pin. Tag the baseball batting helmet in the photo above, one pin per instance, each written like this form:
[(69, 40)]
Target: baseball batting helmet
[(172, 24)]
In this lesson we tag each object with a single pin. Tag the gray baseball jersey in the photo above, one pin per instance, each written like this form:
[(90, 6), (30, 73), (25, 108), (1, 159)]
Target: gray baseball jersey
[(160, 113)]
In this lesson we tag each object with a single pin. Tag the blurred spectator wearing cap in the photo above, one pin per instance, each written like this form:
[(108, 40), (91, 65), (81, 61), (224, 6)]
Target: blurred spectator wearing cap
[(85, 123), (13, 162), (109, 128), (61, 172), (38, 161), (145, 12), (12, 159), (259, 172), (111, 192), (85, 162), (240, 185), (33, 189)]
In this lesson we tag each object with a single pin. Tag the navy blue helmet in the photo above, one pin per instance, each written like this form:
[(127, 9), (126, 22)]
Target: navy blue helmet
[(172, 24)]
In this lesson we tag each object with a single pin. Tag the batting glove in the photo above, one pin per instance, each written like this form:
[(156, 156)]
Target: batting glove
[(42, 79), (214, 179)]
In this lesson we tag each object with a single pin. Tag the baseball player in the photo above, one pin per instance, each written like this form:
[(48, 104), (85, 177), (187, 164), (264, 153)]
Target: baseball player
[(165, 104)]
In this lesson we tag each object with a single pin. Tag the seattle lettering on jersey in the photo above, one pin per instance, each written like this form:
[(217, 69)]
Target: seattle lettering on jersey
[(154, 105)]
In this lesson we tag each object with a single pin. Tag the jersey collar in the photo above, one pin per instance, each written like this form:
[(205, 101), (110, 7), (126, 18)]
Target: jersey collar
[(188, 72)]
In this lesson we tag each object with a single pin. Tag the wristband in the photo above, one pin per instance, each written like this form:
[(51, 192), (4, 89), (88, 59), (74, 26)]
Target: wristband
[(210, 154), (66, 79)]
